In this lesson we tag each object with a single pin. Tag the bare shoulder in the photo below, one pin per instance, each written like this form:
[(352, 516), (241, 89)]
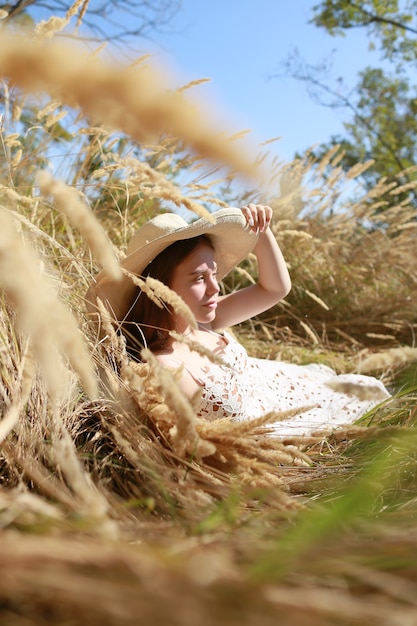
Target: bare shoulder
[(188, 382), (164, 357)]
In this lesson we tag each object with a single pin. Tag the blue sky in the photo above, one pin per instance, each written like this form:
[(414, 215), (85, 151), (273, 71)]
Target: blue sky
[(238, 44)]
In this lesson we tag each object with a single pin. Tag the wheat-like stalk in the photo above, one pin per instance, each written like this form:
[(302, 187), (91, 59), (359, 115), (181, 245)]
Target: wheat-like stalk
[(132, 99), (160, 293), (41, 315), (68, 201), (360, 391), (183, 433), (53, 25), (91, 503), (152, 183), (393, 357)]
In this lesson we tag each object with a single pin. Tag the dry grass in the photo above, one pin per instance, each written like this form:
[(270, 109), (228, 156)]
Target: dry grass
[(115, 500)]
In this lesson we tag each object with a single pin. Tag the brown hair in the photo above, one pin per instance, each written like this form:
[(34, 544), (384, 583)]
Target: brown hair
[(147, 325)]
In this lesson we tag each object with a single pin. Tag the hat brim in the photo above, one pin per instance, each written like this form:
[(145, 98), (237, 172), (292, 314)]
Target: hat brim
[(232, 241)]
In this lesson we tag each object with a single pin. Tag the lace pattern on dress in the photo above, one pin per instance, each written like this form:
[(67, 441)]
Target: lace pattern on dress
[(248, 388)]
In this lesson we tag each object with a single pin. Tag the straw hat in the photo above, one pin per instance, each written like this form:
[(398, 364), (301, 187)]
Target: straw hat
[(231, 237)]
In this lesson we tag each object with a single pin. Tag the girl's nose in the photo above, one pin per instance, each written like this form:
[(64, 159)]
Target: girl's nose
[(212, 286)]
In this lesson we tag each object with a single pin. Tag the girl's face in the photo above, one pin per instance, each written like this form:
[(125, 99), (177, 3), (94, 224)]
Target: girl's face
[(195, 280)]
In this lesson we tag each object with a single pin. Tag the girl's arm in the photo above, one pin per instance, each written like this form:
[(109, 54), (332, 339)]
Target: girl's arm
[(274, 281)]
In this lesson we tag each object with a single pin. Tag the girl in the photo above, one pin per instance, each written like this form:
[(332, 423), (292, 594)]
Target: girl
[(191, 259)]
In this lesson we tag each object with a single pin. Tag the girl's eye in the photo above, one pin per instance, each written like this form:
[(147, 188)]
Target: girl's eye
[(202, 277)]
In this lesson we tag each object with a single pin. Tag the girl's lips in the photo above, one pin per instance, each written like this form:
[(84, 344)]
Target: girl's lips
[(211, 305)]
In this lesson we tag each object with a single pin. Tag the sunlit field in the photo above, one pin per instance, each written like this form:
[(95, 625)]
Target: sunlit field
[(118, 505)]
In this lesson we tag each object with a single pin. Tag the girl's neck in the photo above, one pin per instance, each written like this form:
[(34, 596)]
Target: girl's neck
[(191, 331), (186, 329)]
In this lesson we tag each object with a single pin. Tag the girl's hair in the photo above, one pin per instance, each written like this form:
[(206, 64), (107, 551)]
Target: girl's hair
[(147, 325)]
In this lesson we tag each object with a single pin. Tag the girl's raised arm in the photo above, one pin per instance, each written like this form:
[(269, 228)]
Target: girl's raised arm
[(274, 281)]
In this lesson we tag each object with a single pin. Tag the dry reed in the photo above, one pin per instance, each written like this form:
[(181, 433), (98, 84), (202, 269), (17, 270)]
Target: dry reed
[(68, 201), (133, 99), (40, 314), (161, 295), (393, 357)]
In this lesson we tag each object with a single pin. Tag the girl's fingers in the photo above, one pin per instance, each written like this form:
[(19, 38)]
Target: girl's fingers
[(258, 216), (249, 215)]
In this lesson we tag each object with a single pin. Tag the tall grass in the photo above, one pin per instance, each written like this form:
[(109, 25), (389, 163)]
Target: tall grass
[(116, 502)]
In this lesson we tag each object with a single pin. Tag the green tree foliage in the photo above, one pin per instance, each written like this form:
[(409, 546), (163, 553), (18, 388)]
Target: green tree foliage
[(393, 24), (385, 128), (383, 107)]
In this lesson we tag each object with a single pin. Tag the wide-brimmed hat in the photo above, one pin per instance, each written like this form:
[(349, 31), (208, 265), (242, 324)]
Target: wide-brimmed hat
[(232, 240)]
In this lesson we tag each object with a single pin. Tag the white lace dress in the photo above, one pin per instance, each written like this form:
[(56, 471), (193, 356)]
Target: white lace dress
[(249, 387)]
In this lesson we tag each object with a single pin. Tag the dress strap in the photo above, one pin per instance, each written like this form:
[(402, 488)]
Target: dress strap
[(221, 334)]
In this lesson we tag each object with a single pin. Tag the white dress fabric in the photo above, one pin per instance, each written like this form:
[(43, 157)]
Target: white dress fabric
[(249, 387)]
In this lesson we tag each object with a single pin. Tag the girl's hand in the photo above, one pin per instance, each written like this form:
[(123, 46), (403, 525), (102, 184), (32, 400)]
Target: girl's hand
[(258, 216)]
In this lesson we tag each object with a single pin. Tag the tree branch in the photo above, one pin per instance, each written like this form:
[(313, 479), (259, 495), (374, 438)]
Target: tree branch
[(372, 17), (347, 103)]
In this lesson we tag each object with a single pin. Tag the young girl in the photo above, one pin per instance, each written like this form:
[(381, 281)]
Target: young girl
[(191, 259)]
